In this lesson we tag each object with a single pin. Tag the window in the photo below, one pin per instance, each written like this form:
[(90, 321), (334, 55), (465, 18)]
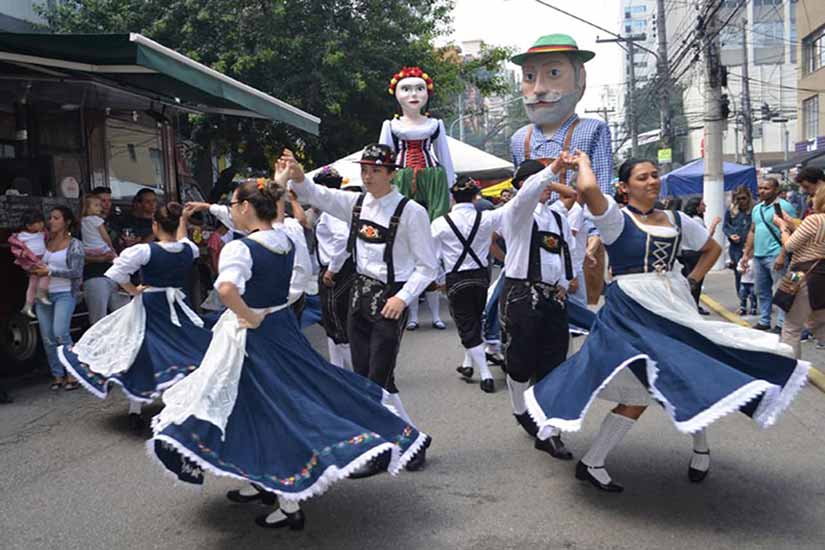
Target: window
[(810, 117), (813, 50), (135, 157)]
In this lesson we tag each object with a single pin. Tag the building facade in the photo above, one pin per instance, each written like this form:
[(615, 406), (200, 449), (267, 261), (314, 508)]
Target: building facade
[(811, 84), (21, 15)]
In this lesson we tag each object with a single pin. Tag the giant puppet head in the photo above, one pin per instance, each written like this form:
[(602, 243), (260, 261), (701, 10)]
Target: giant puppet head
[(553, 78), (412, 88)]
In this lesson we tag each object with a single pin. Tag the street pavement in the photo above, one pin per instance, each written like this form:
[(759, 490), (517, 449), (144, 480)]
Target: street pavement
[(74, 477)]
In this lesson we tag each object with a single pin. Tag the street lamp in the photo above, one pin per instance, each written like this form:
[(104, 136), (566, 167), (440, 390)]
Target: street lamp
[(784, 121)]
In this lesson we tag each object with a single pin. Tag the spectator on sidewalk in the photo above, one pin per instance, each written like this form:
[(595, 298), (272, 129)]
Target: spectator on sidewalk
[(135, 226), (810, 179), (807, 244), (764, 248), (100, 293), (64, 266), (737, 224), (695, 208)]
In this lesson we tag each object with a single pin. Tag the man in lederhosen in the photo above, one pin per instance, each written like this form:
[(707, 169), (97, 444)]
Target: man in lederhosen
[(462, 240), (394, 258), (537, 268), (337, 272)]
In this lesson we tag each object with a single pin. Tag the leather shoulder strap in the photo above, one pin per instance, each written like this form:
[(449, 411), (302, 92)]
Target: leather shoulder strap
[(467, 243), (568, 139), (565, 248), (528, 138), (392, 232), (353, 225)]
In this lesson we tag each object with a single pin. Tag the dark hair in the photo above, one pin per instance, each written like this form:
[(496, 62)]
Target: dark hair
[(675, 204), (168, 217), (464, 189), (692, 206), (31, 216), (773, 181), (68, 216), (626, 169), (809, 174), (100, 191), (263, 195), (139, 194)]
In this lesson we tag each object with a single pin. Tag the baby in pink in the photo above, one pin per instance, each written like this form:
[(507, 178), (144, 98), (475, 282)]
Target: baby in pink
[(28, 247)]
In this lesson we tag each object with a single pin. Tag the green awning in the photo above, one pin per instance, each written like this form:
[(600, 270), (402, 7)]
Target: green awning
[(142, 65)]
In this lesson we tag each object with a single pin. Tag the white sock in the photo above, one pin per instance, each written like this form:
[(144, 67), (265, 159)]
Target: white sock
[(492, 347), (334, 353), (135, 407), (480, 360), (434, 302), (248, 491), (413, 307), (614, 428), (288, 506), (700, 462), (468, 361), (346, 355), (517, 390), (395, 400)]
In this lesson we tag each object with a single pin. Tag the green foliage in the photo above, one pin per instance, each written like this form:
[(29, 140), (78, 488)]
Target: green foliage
[(332, 59)]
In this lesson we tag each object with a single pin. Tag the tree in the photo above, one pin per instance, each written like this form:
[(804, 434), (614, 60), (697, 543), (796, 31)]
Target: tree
[(332, 59)]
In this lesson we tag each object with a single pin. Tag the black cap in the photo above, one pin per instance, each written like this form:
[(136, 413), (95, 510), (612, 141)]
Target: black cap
[(328, 177), (378, 154), (465, 184), (525, 170)]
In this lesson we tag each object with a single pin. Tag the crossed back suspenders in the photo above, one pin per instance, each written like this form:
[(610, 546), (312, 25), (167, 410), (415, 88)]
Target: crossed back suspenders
[(534, 265), (466, 243), (392, 231), (568, 138)]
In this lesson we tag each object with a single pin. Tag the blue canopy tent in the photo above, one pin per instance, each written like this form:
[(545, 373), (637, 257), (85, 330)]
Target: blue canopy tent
[(689, 179)]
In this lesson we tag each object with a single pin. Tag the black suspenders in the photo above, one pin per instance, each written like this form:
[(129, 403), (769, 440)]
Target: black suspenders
[(534, 263), (392, 232), (466, 243)]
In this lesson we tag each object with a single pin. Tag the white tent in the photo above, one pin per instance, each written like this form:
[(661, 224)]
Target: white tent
[(467, 160)]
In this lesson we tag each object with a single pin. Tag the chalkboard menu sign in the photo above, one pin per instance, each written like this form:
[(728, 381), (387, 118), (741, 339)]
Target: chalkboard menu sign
[(12, 208)]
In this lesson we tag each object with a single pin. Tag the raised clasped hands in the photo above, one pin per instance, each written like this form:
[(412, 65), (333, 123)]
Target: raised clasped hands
[(288, 168)]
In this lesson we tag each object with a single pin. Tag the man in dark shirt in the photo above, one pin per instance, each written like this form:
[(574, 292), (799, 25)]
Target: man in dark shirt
[(136, 226)]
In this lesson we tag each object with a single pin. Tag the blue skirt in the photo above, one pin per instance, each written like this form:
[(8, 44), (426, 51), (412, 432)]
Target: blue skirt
[(297, 425), (696, 379), (168, 353)]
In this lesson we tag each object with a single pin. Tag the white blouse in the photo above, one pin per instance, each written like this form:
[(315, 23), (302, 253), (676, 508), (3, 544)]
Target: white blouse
[(133, 258)]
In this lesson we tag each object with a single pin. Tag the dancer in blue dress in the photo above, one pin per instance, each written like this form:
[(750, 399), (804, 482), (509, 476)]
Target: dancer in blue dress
[(156, 340), (263, 406), (649, 340)]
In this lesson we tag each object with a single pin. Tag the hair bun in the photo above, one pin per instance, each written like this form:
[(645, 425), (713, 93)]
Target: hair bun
[(175, 209), (274, 190)]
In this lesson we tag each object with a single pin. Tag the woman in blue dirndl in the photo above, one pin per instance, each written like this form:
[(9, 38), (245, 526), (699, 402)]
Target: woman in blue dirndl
[(649, 340), (264, 406), (156, 340)]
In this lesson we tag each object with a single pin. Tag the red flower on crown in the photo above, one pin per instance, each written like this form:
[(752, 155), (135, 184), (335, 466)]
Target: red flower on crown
[(411, 72)]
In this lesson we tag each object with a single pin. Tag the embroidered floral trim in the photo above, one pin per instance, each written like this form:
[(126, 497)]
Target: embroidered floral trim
[(403, 440), (161, 377)]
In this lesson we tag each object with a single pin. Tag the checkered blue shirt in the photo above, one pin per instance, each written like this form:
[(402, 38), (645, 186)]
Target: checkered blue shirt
[(591, 136)]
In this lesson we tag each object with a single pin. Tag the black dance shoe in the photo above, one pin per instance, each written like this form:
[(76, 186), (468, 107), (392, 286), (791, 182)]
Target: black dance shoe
[(418, 461), (136, 423), (236, 496), (698, 476), (584, 475), (555, 447), (488, 385), (525, 421), (376, 465), (295, 521), (495, 359), (466, 372)]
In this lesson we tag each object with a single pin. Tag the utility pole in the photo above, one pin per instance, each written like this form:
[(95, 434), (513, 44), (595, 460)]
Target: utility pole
[(631, 121), (604, 111), (663, 70), (746, 99), (714, 182)]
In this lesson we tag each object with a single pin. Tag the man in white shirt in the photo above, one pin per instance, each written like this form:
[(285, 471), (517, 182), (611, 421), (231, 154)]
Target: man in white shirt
[(538, 269), (395, 261), (462, 241), (337, 272)]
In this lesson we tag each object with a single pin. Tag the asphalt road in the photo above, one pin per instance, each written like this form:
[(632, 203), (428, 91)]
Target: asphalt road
[(74, 477)]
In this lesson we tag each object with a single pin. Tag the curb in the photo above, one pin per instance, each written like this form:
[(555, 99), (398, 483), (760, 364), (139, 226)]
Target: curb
[(815, 376)]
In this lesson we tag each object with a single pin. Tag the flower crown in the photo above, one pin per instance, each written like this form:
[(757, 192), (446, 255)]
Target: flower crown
[(261, 183), (411, 72)]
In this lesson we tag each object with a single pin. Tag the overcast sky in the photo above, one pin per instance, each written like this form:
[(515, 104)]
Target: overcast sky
[(519, 23)]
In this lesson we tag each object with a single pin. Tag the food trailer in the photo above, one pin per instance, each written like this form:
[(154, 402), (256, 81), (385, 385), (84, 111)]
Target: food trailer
[(78, 111)]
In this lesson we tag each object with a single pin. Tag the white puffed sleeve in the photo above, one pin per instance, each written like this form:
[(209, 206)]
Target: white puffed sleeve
[(611, 223), (694, 234), (234, 266), (128, 262), (196, 252)]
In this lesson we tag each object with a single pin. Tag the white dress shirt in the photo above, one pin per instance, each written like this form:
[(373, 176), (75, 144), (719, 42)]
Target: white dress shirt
[(516, 220), (413, 252), (331, 235), (136, 256), (302, 268), (447, 246)]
